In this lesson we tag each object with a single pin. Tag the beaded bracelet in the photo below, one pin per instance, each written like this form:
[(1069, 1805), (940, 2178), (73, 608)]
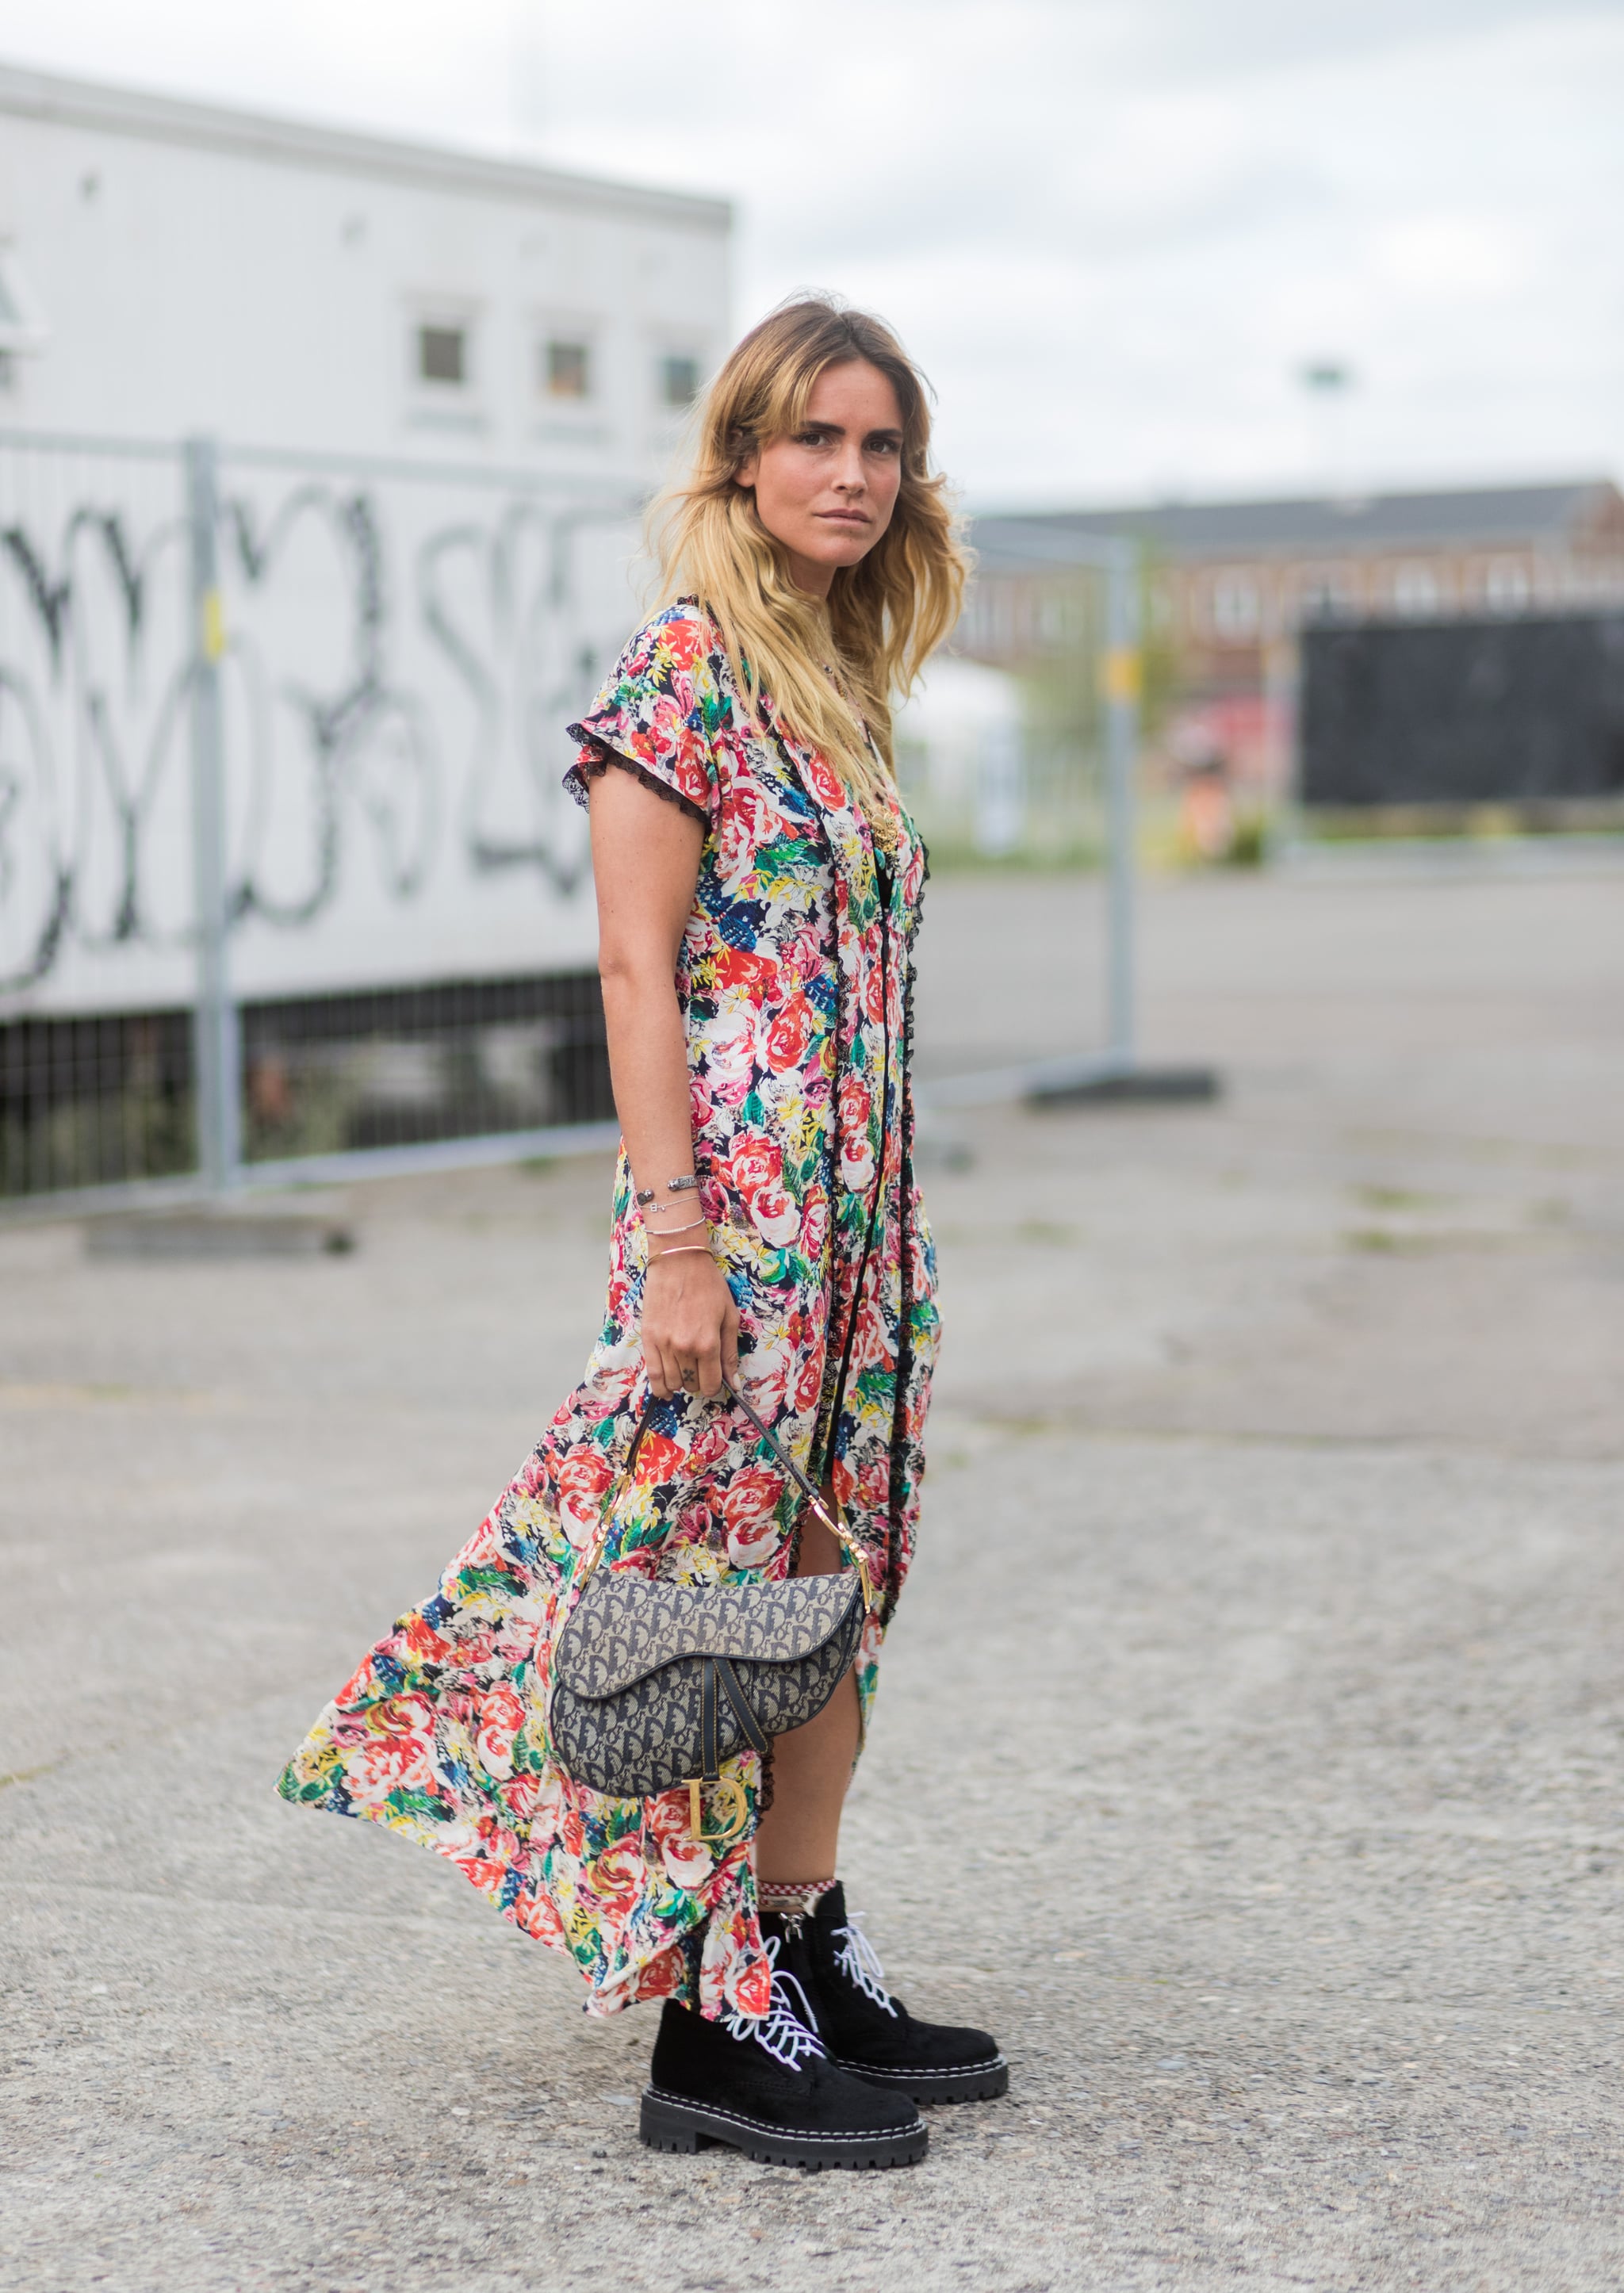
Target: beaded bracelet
[(646, 1195)]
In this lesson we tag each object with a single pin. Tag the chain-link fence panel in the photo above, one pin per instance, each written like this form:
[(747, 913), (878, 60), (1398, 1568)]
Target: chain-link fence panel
[(365, 668)]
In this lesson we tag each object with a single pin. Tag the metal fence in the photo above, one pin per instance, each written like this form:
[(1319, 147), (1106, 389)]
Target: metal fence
[(1057, 791), (1003, 755), (355, 1080), (285, 868), (289, 884)]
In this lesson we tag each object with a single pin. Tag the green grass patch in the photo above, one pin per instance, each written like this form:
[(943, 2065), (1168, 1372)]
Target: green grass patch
[(1397, 1198)]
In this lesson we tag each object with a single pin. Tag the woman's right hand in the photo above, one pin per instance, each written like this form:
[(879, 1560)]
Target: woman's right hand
[(690, 1326)]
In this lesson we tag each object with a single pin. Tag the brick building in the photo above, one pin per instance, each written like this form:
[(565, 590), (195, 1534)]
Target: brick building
[(1232, 583)]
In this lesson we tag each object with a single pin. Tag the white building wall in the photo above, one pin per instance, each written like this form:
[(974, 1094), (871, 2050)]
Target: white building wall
[(421, 583), (201, 269)]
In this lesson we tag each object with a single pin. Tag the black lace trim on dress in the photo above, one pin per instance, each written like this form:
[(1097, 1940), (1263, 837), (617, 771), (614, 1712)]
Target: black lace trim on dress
[(593, 768)]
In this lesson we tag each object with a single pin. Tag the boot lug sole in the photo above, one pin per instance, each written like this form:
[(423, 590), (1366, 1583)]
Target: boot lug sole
[(666, 2122), (975, 2082)]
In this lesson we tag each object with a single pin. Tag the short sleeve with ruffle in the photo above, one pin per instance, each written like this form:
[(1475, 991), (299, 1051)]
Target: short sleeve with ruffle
[(660, 713)]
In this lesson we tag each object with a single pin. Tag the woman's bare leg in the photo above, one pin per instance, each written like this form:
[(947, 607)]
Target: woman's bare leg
[(799, 1836)]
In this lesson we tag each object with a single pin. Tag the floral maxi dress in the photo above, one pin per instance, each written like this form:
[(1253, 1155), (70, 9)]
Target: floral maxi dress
[(794, 977)]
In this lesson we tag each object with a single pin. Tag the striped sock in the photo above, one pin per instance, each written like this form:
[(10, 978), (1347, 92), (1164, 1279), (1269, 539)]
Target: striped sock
[(793, 1899)]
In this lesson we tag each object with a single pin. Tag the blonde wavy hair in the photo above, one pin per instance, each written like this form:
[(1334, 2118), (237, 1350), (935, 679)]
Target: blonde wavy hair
[(884, 616)]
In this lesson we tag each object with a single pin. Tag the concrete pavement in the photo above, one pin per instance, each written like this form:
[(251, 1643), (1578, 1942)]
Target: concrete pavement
[(1247, 1750)]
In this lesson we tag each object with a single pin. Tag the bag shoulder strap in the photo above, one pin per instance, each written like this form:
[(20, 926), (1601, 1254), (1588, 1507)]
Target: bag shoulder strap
[(832, 1521)]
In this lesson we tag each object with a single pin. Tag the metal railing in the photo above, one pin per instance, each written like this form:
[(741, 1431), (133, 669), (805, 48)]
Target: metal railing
[(289, 886), (1113, 667), (285, 868)]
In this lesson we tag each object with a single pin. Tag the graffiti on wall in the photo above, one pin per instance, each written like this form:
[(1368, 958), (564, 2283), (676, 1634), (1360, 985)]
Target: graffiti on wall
[(399, 661)]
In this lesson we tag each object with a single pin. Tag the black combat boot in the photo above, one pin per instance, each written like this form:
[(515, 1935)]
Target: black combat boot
[(866, 2029), (765, 2085)]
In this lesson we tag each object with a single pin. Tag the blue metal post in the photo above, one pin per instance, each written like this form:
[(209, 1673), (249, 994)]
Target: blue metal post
[(1122, 681), (216, 1034)]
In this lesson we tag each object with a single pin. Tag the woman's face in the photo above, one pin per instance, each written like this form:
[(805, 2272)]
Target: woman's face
[(826, 492)]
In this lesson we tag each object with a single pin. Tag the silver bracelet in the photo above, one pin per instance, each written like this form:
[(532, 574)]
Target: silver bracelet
[(643, 1196)]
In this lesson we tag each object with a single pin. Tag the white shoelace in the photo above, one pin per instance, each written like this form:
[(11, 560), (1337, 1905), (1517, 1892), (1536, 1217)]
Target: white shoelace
[(859, 1962), (781, 2029)]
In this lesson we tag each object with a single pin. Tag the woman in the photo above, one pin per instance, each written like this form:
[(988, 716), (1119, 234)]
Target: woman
[(759, 887)]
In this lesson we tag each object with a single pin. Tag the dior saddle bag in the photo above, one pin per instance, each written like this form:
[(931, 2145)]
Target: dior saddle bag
[(653, 1684)]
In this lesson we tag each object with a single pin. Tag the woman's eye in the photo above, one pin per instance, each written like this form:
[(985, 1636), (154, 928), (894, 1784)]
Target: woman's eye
[(813, 438), (885, 445)]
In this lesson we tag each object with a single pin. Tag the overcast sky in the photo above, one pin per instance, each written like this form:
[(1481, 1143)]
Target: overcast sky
[(1112, 230)]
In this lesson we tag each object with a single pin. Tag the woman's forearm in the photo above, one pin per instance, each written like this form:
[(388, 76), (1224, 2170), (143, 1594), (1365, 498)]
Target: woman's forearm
[(646, 858), (645, 861), (648, 1066)]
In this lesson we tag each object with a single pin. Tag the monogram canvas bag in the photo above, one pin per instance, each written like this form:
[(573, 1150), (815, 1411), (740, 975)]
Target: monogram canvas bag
[(654, 1685)]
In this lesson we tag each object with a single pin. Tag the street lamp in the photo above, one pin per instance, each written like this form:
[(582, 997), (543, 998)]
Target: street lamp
[(1329, 384)]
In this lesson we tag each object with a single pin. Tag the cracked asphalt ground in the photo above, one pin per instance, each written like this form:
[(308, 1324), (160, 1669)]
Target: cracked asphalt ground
[(1247, 1751)]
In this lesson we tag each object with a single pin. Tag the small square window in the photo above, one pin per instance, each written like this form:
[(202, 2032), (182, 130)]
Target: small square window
[(678, 379), (566, 369), (1235, 606), (443, 355), (1508, 586), (1415, 589), (1326, 594)]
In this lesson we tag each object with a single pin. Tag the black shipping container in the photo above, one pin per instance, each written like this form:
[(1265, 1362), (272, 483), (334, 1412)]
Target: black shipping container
[(1529, 710)]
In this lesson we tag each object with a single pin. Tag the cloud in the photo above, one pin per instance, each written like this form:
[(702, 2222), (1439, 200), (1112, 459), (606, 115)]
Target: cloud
[(1112, 229), (1458, 256), (1172, 40)]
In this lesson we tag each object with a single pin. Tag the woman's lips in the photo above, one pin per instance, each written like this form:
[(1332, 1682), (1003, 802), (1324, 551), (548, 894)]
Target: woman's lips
[(842, 516)]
